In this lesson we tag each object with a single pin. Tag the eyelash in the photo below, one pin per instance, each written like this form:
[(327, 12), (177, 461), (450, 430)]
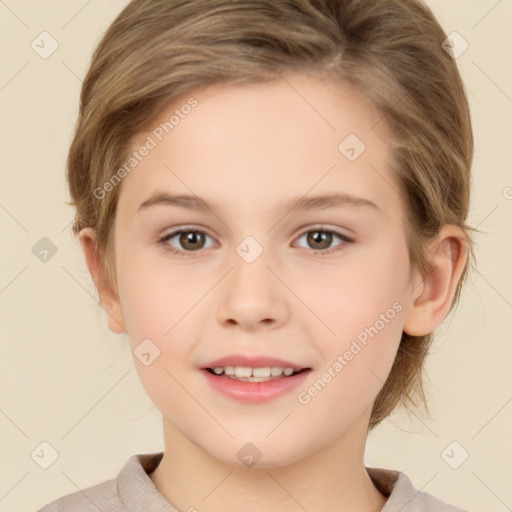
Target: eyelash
[(182, 254)]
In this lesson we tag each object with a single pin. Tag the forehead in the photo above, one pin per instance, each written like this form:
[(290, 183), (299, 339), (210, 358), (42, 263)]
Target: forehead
[(255, 143)]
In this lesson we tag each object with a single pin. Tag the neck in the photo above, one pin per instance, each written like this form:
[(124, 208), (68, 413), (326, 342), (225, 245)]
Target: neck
[(333, 478)]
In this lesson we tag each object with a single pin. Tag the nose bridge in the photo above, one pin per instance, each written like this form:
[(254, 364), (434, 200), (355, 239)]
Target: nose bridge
[(251, 277), (252, 294)]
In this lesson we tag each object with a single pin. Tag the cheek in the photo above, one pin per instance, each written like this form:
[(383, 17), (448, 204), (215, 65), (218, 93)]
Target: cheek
[(354, 295), (155, 294), (361, 305), (158, 304), (356, 360)]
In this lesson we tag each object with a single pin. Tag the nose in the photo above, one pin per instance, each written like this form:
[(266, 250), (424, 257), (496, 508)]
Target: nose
[(252, 297)]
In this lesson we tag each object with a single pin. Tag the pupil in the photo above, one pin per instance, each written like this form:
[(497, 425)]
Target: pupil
[(190, 239), (316, 237)]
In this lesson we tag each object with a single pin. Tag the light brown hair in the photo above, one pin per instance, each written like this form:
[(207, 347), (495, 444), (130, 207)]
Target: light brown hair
[(390, 50)]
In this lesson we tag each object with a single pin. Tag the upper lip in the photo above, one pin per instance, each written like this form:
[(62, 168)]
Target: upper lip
[(253, 362)]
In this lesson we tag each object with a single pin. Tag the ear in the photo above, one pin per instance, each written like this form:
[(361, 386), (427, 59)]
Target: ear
[(108, 296), (431, 299)]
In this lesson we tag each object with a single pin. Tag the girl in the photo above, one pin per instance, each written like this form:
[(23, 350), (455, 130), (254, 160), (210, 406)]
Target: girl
[(317, 153)]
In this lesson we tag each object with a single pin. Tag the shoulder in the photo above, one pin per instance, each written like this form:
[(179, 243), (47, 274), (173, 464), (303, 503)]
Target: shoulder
[(403, 496), (131, 488), (102, 496)]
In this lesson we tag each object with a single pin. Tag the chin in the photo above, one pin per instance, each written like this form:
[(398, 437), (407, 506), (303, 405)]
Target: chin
[(258, 454)]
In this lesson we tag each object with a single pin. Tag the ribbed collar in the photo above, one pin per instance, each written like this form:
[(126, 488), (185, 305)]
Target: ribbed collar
[(139, 493)]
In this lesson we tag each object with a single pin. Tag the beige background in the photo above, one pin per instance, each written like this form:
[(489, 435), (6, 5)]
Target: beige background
[(67, 380)]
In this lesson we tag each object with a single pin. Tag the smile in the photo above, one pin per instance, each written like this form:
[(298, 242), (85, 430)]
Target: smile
[(248, 374), (248, 385)]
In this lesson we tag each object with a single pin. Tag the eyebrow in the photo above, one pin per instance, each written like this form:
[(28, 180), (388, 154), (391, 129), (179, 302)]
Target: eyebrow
[(318, 202)]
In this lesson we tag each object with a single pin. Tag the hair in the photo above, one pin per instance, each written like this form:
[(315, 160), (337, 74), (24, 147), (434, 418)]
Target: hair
[(390, 51)]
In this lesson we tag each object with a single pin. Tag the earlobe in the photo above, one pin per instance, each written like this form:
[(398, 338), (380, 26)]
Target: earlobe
[(108, 296), (431, 299)]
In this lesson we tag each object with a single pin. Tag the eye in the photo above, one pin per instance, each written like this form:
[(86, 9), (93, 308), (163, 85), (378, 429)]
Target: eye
[(190, 240), (320, 239)]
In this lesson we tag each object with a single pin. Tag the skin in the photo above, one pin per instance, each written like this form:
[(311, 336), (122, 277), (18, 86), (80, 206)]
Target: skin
[(246, 150)]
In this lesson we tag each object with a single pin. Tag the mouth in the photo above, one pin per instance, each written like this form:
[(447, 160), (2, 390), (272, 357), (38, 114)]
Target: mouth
[(252, 380), (248, 374)]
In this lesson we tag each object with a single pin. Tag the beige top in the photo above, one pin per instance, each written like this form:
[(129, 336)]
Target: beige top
[(134, 491)]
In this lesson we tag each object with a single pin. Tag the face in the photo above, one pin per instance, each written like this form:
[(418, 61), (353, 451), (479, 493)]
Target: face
[(255, 272)]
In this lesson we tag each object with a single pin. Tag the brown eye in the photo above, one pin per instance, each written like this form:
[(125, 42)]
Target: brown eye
[(187, 241), (319, 239), (192, 240)]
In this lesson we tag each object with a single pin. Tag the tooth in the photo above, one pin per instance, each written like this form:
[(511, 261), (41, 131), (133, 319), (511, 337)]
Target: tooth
[(243, 371), (261, 372), (258, 379), (258, 374)]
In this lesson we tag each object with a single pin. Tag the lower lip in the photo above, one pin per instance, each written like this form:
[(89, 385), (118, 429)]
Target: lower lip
[(255, 392)]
